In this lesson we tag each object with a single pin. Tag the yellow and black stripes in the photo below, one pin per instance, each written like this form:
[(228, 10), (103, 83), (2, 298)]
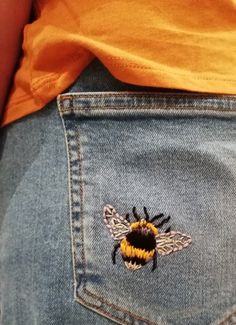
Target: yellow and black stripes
[(132, 252), (139, 246)]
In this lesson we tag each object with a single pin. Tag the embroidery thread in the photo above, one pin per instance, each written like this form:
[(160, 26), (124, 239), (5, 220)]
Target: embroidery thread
[(141, 241)]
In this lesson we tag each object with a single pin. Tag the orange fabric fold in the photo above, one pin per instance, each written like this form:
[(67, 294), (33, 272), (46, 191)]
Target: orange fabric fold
[(189, 46)]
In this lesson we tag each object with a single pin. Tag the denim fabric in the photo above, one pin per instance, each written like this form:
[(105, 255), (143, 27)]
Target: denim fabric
[(174, 153)]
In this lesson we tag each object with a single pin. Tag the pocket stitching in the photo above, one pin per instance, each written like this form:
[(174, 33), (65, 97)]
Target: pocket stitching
[(151, 105), (146, 107), (225, 321), (77, 296)]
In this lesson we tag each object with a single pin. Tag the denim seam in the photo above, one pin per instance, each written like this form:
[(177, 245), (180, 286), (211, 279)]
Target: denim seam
[(83, 286), (85, 303), (146, 107), (145, 94), (81, 204), (115, 306), (70, 201), (225, 321), (151, 105)]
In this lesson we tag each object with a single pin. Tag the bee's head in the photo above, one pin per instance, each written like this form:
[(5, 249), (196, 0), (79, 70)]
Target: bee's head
[(144, 225)]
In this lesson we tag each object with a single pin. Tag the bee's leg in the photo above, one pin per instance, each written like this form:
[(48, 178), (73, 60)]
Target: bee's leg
[(135, 214), (146, 213), (158, 216), (163, 222), (127, 217), (154, 259), (113, 255), (168, 229)]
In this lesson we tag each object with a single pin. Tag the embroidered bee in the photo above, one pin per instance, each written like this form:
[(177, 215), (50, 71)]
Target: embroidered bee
[(141, 241)]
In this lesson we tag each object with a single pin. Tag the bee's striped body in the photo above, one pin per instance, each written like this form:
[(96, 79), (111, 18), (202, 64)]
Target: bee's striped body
[(139, 246)]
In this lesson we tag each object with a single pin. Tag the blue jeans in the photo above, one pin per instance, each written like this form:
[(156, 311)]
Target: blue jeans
[(106, 143)]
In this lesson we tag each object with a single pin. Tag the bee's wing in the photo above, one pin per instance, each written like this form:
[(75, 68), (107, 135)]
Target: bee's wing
[(172, 241), (118, 226)]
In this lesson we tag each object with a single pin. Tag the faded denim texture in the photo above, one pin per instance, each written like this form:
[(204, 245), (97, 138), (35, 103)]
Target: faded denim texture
[(172, 152)]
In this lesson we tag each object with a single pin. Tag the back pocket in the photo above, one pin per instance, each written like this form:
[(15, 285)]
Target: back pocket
[(175, 155)]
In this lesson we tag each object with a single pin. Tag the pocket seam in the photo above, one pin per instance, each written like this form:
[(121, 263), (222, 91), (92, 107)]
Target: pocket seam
[(153, 105), (83, 282), (227, 318), (147, 107)]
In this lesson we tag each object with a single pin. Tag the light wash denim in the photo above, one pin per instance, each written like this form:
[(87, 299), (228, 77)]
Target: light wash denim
[(106, 142)]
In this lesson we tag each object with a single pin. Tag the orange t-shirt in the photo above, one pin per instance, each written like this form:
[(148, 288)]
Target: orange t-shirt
[(173, 44)]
